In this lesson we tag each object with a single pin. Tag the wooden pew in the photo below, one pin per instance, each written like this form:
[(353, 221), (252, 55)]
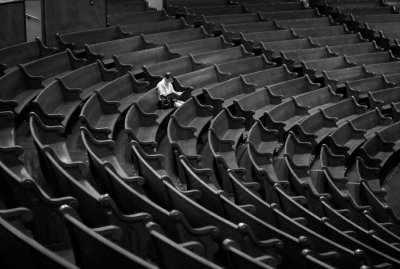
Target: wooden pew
[(291, 14), (175, 6), (56, 104), (197, 80), (271, 7), (193, 14), (155, 27), (88, 79), (124, 91), (76, 41), (100, 116), (360, 88), (305, 23), (22, 250), (293, 58), (100, 246), (337, 78), (383, 98), (232, 31), (272, 49), (127, 6), (315, 68), (213, 23), (344, 111), (284, 116), (56, 65), (138, 17), (22, 53)]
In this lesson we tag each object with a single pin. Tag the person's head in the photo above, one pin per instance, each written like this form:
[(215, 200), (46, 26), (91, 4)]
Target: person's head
[(168, 77)]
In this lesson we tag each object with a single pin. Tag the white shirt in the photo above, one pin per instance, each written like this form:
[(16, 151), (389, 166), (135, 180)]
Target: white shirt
[(164, 88)]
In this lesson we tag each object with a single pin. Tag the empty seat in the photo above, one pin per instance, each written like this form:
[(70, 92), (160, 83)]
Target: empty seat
[(123, 91), (100, 116), (10, 57), (137, 17)]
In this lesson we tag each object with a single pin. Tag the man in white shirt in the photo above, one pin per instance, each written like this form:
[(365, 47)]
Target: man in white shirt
[(167, 94)]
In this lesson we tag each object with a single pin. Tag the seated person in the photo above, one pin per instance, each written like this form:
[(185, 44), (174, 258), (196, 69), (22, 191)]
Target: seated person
[(167, 96)]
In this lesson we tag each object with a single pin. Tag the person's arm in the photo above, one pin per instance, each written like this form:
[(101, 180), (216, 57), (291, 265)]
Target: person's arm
[(173, 90)]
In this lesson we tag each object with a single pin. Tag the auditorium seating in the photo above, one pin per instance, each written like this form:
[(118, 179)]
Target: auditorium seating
[(197, 80), (12, 56), (100, 116), (193, 14), (291, 14), (225, 93), (47, 68), (22, 250), (136, 61), (77, 40), (155, 27), (181, 65), (232, 31), (116, 7), (88, 79), (123, 91), (281, 155), (213, 23), (106, 50), (314, 68), (277, 6), (285, 116), (383, 98), (138, 17), (293, 58), (102, 252), (359, 88)]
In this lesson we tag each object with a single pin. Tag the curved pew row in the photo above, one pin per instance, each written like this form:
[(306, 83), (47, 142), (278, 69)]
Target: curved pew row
[(273, 50), (106, 50), (315, 68), (103, 109), (293, 58), (154, 27), (353, 193), (194, 14), (59, 100), (190, 206), (117, 7), (214, 203), (360, 88), (25, 186), (22, 250), (378, 150), (232, 32), (21, 85), (178, 64), (11, 57), (207, 77), (224, 94), (212, 23), (154, 72), (260, 151), (105, 158), (73, 178), (102, 251), (138, 17), (286, 115), (251, 40), (266, 250), (349, 136)]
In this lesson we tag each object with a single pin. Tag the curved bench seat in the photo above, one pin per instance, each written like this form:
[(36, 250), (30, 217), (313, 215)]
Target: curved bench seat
[(100, 116)]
